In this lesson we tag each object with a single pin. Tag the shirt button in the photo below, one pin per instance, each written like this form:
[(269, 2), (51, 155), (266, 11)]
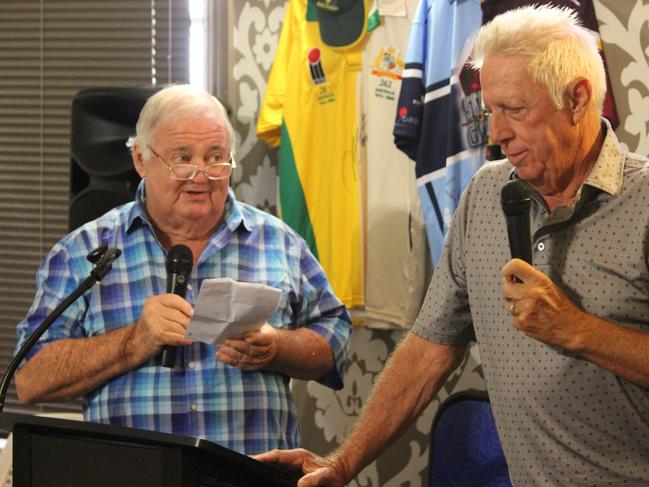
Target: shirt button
[(194, 406), (192, 365), (540, 246), (189, 286)]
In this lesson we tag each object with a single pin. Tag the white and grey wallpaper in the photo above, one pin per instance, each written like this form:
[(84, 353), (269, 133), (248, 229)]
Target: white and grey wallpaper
[(624, 28), (256, 31), (327, 416)]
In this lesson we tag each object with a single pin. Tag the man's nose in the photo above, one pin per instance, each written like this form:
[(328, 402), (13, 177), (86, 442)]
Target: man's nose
[(500, 129), (202, 171)]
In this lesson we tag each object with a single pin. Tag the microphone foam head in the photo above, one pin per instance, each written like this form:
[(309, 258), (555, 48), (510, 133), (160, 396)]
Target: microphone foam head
[(179, 259), (515, 198)]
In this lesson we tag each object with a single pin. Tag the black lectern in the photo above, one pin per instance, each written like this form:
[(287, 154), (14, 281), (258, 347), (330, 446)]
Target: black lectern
[(51, 452)]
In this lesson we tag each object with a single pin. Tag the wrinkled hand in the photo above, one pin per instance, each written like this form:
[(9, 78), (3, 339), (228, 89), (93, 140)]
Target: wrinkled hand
[(538, 307), (319, 471), (163, 321), (252, 351)]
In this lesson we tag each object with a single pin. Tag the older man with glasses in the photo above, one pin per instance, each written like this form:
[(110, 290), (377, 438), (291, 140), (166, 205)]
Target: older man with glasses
[(106, 346)]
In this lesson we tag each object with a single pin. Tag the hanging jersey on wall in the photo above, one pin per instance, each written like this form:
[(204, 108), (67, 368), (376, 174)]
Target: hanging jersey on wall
[(395, 277), (439, 123), (310, 112)]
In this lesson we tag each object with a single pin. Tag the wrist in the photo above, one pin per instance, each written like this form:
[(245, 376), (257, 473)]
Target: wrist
[(280, 346), (131, 348), (343, 465), (577, 340)]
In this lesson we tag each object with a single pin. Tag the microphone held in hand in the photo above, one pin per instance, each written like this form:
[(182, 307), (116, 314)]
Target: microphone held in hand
[(179, 267), (516, 203)]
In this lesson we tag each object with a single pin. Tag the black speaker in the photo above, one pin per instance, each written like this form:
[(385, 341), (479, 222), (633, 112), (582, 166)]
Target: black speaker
[(101, 169)]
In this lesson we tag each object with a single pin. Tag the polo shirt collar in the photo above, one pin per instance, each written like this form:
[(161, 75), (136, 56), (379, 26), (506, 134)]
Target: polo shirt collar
[(234, 214), (608, 171), (137, 213)]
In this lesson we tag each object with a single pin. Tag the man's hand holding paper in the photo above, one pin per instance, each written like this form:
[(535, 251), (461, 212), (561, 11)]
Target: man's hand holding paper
[(252, 351), (233, 316)]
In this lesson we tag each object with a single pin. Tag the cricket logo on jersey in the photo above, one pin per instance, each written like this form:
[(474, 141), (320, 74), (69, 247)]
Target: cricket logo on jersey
[(388, 63), (315, 67), (387, 69)]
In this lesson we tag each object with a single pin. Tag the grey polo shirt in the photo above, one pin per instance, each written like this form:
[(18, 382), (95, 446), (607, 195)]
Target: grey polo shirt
[(562, 420)]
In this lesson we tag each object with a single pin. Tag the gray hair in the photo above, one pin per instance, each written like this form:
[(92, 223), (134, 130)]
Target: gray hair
[(559, 47), (171, 103)]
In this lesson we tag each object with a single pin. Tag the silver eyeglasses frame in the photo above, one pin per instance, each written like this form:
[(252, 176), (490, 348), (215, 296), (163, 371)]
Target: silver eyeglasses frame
[(194, 168)]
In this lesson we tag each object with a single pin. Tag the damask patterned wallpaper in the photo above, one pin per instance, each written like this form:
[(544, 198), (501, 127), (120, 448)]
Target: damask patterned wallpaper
[(255, 35), (328, 416), (624, 28)]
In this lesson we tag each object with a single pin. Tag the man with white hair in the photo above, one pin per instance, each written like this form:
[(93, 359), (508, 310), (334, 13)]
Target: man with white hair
[(564, 343), (106, 346)]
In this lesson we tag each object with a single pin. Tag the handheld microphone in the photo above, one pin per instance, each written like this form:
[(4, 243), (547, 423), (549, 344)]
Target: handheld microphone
[(179, 265), (516, 203)]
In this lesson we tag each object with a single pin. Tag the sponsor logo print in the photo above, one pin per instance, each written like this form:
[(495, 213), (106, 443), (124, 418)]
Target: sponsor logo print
[(405, 118), (328, 5)]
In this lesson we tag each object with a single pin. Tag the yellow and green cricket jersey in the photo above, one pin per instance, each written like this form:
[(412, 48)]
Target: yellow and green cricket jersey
[(310, 112)]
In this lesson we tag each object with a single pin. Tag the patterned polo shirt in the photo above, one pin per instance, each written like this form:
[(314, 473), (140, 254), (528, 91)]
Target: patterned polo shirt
[(249, 412), (562, 420)]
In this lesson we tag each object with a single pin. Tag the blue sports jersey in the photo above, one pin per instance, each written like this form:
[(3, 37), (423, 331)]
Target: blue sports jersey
[(439, 120)]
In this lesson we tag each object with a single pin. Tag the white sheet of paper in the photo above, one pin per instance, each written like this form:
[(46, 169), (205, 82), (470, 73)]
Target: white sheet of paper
[(226, 308)]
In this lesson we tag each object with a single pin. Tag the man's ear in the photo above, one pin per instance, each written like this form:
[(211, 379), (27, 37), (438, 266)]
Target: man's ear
[(138, 159), (578, 96)]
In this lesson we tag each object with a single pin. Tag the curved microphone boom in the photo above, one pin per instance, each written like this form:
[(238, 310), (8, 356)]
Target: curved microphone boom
[(102, 257), (179, 266), (516, 202)]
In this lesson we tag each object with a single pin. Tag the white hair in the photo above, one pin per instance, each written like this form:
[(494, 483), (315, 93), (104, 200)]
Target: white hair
[(560, 48), (171, 103)]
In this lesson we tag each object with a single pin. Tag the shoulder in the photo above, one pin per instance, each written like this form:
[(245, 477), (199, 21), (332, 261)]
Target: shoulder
[(481, 198), (636, 163), (635, 172), (80, 241), (490, 177), (497, 169), (270, 225), (277, 242)]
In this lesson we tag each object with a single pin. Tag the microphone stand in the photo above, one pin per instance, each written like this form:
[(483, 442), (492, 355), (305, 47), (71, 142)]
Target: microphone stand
[(103, 258)]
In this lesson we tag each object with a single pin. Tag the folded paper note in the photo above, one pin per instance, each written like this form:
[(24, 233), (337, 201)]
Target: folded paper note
[(226, 308)]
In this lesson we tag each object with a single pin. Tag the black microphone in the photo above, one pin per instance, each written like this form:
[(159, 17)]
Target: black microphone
[(179, 266), (516, 203)]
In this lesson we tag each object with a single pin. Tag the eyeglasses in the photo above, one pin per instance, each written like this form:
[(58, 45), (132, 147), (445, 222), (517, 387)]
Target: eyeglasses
[(181, 171)]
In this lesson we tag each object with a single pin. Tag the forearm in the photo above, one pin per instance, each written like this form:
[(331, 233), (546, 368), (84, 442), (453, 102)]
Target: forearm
[(412, 377), (620, 349), (69, 368), (302, 354)]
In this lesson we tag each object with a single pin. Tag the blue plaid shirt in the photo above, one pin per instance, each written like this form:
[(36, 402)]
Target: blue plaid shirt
[(249, 412)]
